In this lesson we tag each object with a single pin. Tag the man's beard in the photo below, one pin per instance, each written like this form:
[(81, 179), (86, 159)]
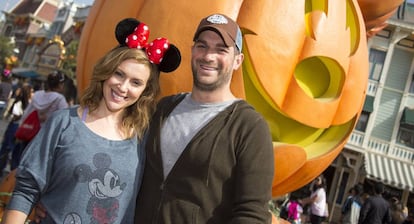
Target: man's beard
[(222, 79)]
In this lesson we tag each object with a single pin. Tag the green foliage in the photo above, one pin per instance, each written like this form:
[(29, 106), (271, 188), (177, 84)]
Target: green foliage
[(69, 61), (6, 48)]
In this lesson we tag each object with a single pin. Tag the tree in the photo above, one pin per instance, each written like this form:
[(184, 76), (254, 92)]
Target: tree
[(69, 61), (6, 50)]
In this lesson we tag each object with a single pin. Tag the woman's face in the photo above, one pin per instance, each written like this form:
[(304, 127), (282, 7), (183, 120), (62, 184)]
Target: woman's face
[(126, 85)]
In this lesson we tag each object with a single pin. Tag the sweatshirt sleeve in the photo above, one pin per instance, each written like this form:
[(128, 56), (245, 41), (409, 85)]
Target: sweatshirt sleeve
[(255, 171), (62, 103), (35, 166)]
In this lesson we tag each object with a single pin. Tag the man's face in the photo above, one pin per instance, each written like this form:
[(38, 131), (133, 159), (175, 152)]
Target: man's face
[(212, 62)]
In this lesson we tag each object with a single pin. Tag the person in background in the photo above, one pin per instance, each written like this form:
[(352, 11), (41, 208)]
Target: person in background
[(410, 217), (86, 163), (317, 200), (45, 102), (50, 99), (375, 209), (294, 210), (70, 91), (6, 90), (16, 88), (397, 214), (352, 206), (21, 100), (209, 154)]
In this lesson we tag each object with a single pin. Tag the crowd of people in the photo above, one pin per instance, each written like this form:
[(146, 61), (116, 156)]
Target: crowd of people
[(25, 96), (365, 204)]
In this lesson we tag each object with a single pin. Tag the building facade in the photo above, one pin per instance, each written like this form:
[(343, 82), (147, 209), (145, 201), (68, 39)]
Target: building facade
[(381, 147), (42, 29)]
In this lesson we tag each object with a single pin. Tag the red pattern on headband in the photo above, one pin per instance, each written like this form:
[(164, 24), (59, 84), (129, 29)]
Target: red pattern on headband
[(155, 50)]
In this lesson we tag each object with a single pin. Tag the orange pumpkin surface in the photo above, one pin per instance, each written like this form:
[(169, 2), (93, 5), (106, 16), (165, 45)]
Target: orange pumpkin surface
[(305, 68), (376, 13)]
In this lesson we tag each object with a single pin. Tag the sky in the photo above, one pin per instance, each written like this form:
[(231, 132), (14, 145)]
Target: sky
[(7, 5)]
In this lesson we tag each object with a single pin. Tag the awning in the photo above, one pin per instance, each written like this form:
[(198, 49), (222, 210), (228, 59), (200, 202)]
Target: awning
[(25, 72), (408, 116), (368, 104), (390, 171)]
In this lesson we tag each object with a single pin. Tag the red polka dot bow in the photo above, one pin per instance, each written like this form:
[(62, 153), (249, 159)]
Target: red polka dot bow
[(155, 50)]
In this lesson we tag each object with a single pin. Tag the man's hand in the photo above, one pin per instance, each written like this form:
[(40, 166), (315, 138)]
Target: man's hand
[(40, 213)]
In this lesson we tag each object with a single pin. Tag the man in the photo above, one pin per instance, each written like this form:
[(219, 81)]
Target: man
[(375, 209), (209, 154), (352, 206)]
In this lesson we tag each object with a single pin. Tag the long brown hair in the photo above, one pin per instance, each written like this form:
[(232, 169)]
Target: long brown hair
[(137, 116)]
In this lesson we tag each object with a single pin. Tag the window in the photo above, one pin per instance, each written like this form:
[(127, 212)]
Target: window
[(8, 31), (376, 62), (406, 135), (411, 90), (362, 121), (341, 190)]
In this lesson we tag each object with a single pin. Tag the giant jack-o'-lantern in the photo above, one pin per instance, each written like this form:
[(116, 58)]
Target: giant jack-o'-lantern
[(305, 67)]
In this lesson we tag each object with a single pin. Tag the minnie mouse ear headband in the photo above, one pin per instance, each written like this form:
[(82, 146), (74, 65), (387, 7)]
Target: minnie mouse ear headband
[(134, 34)]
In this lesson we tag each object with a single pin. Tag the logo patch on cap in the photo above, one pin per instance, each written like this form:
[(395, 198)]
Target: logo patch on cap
[(217, 19)]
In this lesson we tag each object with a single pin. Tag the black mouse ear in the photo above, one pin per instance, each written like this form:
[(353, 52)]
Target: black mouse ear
[(171, 59), (124, 28)]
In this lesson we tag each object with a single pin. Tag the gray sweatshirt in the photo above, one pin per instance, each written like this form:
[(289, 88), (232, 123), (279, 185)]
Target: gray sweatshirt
[(45, 103)]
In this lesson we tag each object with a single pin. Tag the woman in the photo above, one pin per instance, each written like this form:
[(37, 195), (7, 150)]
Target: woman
[(22, 99), (89, 167), (318, 208)]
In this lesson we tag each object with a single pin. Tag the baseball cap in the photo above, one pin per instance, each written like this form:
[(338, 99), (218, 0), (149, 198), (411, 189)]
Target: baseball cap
[(227, 28)]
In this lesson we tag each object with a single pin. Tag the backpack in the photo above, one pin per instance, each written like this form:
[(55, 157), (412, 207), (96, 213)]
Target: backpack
[(351, 216), (355, 210), (28, 129)]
